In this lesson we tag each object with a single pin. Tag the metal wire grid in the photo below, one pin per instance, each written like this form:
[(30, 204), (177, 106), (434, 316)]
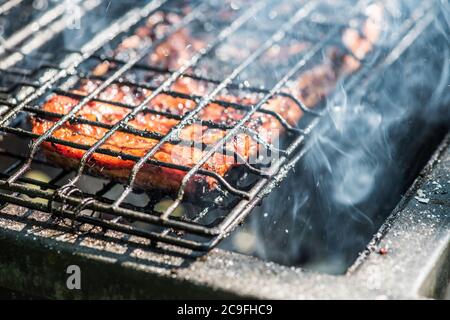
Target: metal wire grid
[(74, 201)]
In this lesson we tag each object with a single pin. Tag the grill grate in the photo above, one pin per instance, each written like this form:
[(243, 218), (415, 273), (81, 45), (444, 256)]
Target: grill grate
[(214, 215)]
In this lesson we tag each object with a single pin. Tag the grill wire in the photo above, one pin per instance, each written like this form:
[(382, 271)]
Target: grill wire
[(62, 196)]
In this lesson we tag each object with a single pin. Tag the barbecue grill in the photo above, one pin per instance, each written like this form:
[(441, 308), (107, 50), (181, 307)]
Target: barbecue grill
[(105, 220)]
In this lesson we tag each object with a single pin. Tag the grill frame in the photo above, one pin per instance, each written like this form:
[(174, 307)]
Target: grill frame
[(79, 201)]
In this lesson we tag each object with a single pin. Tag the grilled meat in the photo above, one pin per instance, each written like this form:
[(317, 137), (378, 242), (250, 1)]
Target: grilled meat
[(311, 87), (153, 176)]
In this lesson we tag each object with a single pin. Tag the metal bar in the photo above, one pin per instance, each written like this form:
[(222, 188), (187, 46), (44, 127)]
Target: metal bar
[(29, 73), (17, 85), (33, 27), (8, 5)]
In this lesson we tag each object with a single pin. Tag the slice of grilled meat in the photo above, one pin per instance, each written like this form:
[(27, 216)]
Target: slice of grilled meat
[(311, 87)]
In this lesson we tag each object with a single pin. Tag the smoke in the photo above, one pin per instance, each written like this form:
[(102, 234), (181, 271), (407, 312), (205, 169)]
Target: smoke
[(375, 136)]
